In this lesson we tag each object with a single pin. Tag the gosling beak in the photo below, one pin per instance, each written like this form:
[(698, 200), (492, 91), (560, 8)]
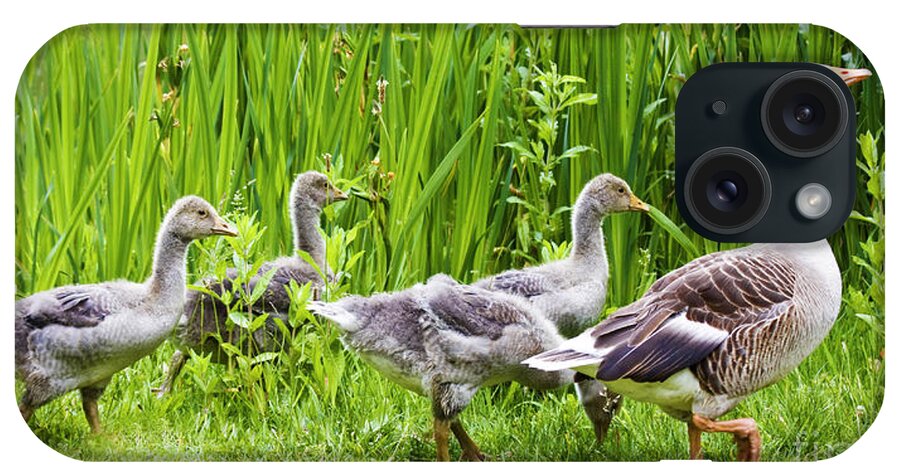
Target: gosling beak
[(222, 228), (637, 205), (337, 195), (851, 76)]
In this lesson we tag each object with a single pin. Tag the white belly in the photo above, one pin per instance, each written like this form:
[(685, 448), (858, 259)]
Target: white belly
[(675, 393)]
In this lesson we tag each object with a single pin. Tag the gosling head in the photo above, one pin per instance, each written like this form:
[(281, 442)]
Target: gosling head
[(192, 217), (606, 194), (313, 190)]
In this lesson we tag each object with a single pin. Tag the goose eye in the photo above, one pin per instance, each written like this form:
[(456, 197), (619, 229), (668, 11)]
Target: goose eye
[(621, 189), (202, 213)]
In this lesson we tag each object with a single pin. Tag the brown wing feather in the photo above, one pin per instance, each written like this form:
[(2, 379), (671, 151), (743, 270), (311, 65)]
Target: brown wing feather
[(724, 291)]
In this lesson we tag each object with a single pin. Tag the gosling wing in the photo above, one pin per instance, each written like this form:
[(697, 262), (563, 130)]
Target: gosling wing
[(520, 282), (74, 306)]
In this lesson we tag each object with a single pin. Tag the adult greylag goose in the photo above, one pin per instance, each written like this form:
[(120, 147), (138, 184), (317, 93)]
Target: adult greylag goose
[(709, 334), (571, 292), (206, 316), (445, 340), (77, 337), (712, 332)]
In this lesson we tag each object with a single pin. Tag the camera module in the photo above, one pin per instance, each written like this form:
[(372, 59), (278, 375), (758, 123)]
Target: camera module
[(727, 189), (766, 152), (804, 113)]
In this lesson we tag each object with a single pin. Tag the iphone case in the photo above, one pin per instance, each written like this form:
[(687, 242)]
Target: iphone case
[(450, 150)]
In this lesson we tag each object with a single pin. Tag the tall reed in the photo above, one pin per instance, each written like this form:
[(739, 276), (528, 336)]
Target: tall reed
[(115, 122)]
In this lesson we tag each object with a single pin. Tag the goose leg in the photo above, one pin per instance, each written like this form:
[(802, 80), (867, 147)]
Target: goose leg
[(469, 448), (89, 397), (694, 437), (175, 366), (746, 437), (744, 431)]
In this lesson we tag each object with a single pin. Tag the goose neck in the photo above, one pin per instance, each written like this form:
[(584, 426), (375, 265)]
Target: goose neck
[(306, 233), (587, 234), (167, 280)]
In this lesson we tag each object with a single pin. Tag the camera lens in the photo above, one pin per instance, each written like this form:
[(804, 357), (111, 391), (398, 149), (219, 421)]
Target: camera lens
[(804, 113), (727, 190)]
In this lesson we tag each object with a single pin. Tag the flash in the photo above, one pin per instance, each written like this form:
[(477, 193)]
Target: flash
[(813, 201)]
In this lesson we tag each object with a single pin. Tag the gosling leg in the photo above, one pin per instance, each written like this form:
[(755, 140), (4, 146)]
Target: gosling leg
[(442, 439), (29, 404), (447, 401), (27, 411), (89, 397), (175, 366), (599, 403), (469, 448)]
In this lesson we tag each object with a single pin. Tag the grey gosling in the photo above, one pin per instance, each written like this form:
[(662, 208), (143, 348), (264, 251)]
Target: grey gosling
[(712, 332), (205, 316), (571, 292), (78, 336), (445, 340)]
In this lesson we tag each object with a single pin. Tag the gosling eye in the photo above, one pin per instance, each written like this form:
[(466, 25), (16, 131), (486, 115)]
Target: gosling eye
[(621, 189), (202, 213)]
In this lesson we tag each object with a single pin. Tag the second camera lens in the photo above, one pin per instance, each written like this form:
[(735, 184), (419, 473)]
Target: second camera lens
[(727, 190)]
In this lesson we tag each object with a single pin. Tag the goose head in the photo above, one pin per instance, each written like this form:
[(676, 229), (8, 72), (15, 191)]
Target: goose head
[(192, 217), (313, 190), (606, 194)]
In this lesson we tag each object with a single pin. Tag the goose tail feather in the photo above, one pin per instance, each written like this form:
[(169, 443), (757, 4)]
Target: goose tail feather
[(561, 359)]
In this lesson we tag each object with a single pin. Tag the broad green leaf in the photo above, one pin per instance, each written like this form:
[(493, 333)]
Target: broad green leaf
[(240, 319), (261, 285), (264, 357), (583, 98)]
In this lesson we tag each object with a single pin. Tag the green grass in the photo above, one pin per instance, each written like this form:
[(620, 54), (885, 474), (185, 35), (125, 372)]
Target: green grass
[(116, 122), (816, 412)]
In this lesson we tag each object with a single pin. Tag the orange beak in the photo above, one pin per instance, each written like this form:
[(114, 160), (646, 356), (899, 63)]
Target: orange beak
[(638, 205), (223, 228), (851, 76), (337, 195)]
